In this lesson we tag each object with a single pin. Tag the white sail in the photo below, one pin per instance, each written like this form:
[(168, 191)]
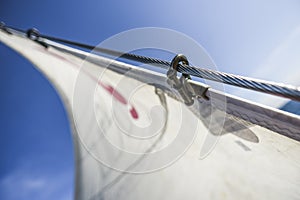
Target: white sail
[(135, 139)]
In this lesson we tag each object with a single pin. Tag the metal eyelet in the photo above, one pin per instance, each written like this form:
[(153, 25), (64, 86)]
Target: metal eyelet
[(33, 34), (181, 85), (180, 58)]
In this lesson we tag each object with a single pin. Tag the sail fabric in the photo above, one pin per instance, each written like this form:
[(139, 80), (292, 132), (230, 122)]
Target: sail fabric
[(134, 138)]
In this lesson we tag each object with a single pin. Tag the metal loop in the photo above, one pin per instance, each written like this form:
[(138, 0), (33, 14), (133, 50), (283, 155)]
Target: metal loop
[(33, 34), (180, 58), (177, 59), (180, 84)]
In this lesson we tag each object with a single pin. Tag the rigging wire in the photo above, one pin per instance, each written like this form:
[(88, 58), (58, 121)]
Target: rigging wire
[(268, 87)]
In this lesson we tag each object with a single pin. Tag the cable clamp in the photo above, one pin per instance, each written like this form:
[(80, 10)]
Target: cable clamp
[(182, 84)]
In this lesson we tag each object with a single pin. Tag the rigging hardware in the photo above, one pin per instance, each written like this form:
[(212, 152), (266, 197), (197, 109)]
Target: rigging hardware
[(267, 87)]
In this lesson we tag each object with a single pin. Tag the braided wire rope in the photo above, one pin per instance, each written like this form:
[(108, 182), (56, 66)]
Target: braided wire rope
[(278, 89)]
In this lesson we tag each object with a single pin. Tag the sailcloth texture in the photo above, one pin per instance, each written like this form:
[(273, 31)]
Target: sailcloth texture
[(134, 137)]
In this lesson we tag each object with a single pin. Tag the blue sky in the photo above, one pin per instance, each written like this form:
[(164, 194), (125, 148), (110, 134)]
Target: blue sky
[(252, 38)]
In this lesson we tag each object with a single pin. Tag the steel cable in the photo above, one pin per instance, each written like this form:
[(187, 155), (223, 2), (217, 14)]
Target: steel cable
[(273, 88)]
